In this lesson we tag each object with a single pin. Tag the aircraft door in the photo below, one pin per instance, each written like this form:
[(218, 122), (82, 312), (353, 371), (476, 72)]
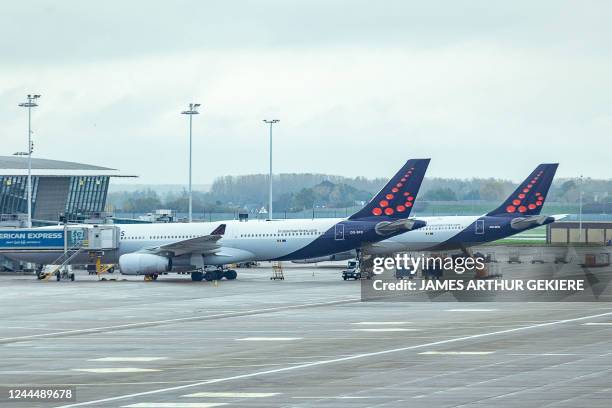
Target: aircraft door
[(339, 232), (480, 229)]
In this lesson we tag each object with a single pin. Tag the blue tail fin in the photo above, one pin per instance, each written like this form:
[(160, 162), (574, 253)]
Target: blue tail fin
[(529, 197), (396, 198)]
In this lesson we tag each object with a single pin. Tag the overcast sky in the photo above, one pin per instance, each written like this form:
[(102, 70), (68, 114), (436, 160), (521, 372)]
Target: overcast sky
[(483, 88)]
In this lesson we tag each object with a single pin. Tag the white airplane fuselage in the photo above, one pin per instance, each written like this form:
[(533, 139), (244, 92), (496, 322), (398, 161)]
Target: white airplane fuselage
[(252, 240), (268, 240), (300, 239)]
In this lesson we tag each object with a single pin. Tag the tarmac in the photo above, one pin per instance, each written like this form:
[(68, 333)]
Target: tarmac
[(306, 341)]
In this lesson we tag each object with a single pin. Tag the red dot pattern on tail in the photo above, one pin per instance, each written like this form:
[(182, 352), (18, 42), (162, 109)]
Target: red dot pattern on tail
[(520, 203), (386, 207)]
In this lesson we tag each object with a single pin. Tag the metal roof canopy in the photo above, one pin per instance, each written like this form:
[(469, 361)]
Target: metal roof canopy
[(18, 166)]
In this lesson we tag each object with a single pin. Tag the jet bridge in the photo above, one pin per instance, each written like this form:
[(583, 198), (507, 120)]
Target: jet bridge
[(86, 238)]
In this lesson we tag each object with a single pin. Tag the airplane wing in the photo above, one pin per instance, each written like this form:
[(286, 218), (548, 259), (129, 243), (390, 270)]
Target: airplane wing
[(206, 244)]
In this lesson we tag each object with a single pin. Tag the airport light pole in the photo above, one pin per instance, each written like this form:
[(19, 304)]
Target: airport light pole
[(191, 111), (31, 103), (270, 122), (580, 211)]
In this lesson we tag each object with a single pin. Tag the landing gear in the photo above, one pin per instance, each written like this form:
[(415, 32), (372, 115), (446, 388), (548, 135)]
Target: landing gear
[(213, 275), (219, 274), (152, 277)]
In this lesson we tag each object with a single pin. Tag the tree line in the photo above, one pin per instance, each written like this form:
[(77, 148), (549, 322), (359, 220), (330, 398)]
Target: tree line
[(296, 192)]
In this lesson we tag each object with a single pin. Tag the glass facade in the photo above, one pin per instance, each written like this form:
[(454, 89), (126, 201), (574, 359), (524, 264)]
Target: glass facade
[(14, 194), (76, 195), (87, 194)]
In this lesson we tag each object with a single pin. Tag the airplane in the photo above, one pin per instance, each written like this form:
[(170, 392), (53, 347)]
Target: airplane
[(518, 213), (152, 249)]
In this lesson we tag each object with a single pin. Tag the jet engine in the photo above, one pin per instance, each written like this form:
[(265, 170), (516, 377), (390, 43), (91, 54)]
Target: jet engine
[(144, 264)]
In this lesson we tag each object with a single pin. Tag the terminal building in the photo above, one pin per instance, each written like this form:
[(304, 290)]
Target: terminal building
[(59, 189)]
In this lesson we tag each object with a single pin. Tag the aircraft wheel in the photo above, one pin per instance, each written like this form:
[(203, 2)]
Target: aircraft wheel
[(72, 277), (230, 274), (154, 277), (197, 276), (209, 276), (58, 276)]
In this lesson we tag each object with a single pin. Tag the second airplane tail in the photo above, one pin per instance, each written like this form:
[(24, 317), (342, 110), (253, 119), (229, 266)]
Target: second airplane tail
[(529, 197), (396, 199)]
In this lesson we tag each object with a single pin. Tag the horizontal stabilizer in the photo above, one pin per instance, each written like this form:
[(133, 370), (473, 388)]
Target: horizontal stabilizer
[(398, 226), (521, 223)]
